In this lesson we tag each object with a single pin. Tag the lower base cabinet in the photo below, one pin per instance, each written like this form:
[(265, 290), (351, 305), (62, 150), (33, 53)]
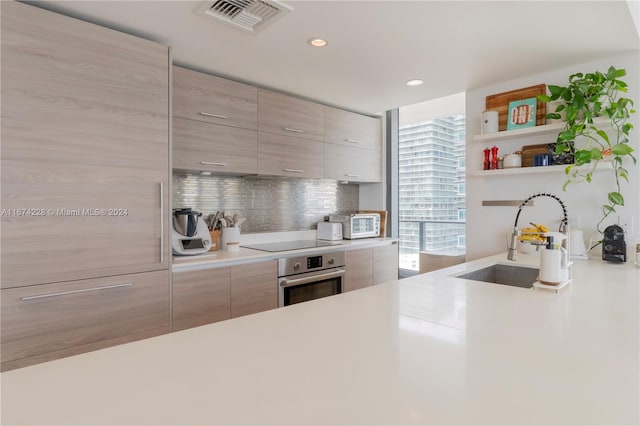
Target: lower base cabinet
[(370, 266), (385, 263), (212, 295), (50, 321), (359, 269)]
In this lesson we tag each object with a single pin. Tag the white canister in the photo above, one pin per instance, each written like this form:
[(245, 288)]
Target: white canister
[(489, 122), (230, 237), (511, 161)]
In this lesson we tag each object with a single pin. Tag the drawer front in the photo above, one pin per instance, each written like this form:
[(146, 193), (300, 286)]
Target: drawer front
[(209, 147), (348, 128), (288, 156), (53, 317), (202, 97), (352, 164), (285, 115), (201, 297)]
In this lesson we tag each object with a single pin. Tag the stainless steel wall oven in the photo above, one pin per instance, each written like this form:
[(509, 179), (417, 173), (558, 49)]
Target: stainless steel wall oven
[(304, 278)]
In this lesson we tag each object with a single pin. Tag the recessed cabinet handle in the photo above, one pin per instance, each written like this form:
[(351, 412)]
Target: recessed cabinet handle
[(208, 114), (161, 222), (291, 129), (210, 163), (293, 170), (84, 290), (352, 175), (352, 140)]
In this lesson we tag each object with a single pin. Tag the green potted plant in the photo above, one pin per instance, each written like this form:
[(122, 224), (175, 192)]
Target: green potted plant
[(597, 115)]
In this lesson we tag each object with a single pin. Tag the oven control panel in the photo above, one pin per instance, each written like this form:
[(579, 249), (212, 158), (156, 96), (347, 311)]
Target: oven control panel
[(302, 264)]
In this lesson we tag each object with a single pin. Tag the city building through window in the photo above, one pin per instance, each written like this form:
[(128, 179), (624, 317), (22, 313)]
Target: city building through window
[(431, 180)]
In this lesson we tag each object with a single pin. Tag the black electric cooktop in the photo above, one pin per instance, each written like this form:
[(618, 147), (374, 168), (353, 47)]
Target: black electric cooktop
[(291, 245)]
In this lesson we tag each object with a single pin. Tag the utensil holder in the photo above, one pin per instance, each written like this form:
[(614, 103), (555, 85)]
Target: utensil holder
[(229, 235), (215, 239)]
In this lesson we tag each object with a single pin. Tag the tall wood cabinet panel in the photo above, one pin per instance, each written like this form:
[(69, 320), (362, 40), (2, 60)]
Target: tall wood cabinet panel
[(285, 115), (359, 269), (201, 297), (352, 164), (84, 150), (52, 318), (385, 263), (254, 288), (290, 156), (202, 97), (210, 147), (348, 128)]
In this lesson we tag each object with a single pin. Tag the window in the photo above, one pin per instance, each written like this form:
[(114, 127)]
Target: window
[(431, 180)]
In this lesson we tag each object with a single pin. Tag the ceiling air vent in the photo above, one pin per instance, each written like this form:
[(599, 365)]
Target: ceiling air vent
[(249, 15)]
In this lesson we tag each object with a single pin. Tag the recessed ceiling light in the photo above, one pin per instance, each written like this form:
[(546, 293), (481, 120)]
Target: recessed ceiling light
[(205, 173), (318, 42), (416, 82)]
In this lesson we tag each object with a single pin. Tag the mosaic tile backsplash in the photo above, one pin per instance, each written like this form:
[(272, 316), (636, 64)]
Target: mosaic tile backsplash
[(270, 204)]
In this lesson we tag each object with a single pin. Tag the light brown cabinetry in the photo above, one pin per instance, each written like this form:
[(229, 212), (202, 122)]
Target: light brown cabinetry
[(348, 128), (285, 115), (202, 97), (53, 320), (359, 269), (352, 164), (254, 288), (212, 295), (290, 156), (222, 149), (385, 263), (201, 297), (85, 172), (84, 150)]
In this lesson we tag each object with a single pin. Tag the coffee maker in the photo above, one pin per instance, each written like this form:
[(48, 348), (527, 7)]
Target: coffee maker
[(190, 234), (614, 248)]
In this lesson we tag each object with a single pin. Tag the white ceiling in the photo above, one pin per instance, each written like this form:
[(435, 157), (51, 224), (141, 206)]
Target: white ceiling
[(376, 46)]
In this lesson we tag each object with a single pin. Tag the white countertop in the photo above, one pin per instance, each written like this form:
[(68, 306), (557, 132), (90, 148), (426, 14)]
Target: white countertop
[(221, 258), (430, 349)]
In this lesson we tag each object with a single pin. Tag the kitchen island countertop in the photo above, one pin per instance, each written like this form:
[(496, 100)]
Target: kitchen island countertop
[(431, 349)]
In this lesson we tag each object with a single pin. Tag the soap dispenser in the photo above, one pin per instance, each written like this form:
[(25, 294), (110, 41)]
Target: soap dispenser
[(554, 268)]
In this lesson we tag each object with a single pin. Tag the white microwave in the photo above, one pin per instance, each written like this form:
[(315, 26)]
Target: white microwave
[(358, 225)]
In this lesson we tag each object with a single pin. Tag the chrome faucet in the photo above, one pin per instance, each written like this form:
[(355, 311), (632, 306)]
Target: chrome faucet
[(512, 253)]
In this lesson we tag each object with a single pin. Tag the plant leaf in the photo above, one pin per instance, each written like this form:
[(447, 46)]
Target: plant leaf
[(621, 149), (582, 156), (616, 198), (603, 135), (596, 154), (544, 98)]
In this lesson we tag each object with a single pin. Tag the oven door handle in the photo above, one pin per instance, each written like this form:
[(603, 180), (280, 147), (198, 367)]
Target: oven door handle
[(306, 280)]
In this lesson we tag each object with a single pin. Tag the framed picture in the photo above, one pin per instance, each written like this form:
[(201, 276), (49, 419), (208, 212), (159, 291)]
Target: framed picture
[(522, 114)]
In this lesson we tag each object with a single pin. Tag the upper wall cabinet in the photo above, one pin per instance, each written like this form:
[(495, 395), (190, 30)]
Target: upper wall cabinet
[(285, 115), (85, 150), (223, 149), (202, 97), (348, 128)]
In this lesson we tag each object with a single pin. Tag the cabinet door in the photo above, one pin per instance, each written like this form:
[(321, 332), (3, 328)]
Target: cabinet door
[(201, 297), (348, 128), (352, 164), (385, 263), (202, 97), (359, 269), (224, 149), (288, 156), (254, 288), (286, 115), (52, 318), (85, 161)]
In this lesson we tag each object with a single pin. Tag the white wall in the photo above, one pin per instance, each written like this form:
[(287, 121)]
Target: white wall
[(487, 226)]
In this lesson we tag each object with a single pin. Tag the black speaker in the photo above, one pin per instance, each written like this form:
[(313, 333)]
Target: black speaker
[(614, 248)]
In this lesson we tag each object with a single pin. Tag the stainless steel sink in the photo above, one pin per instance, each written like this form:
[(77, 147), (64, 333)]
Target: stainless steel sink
[(517, 276)]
